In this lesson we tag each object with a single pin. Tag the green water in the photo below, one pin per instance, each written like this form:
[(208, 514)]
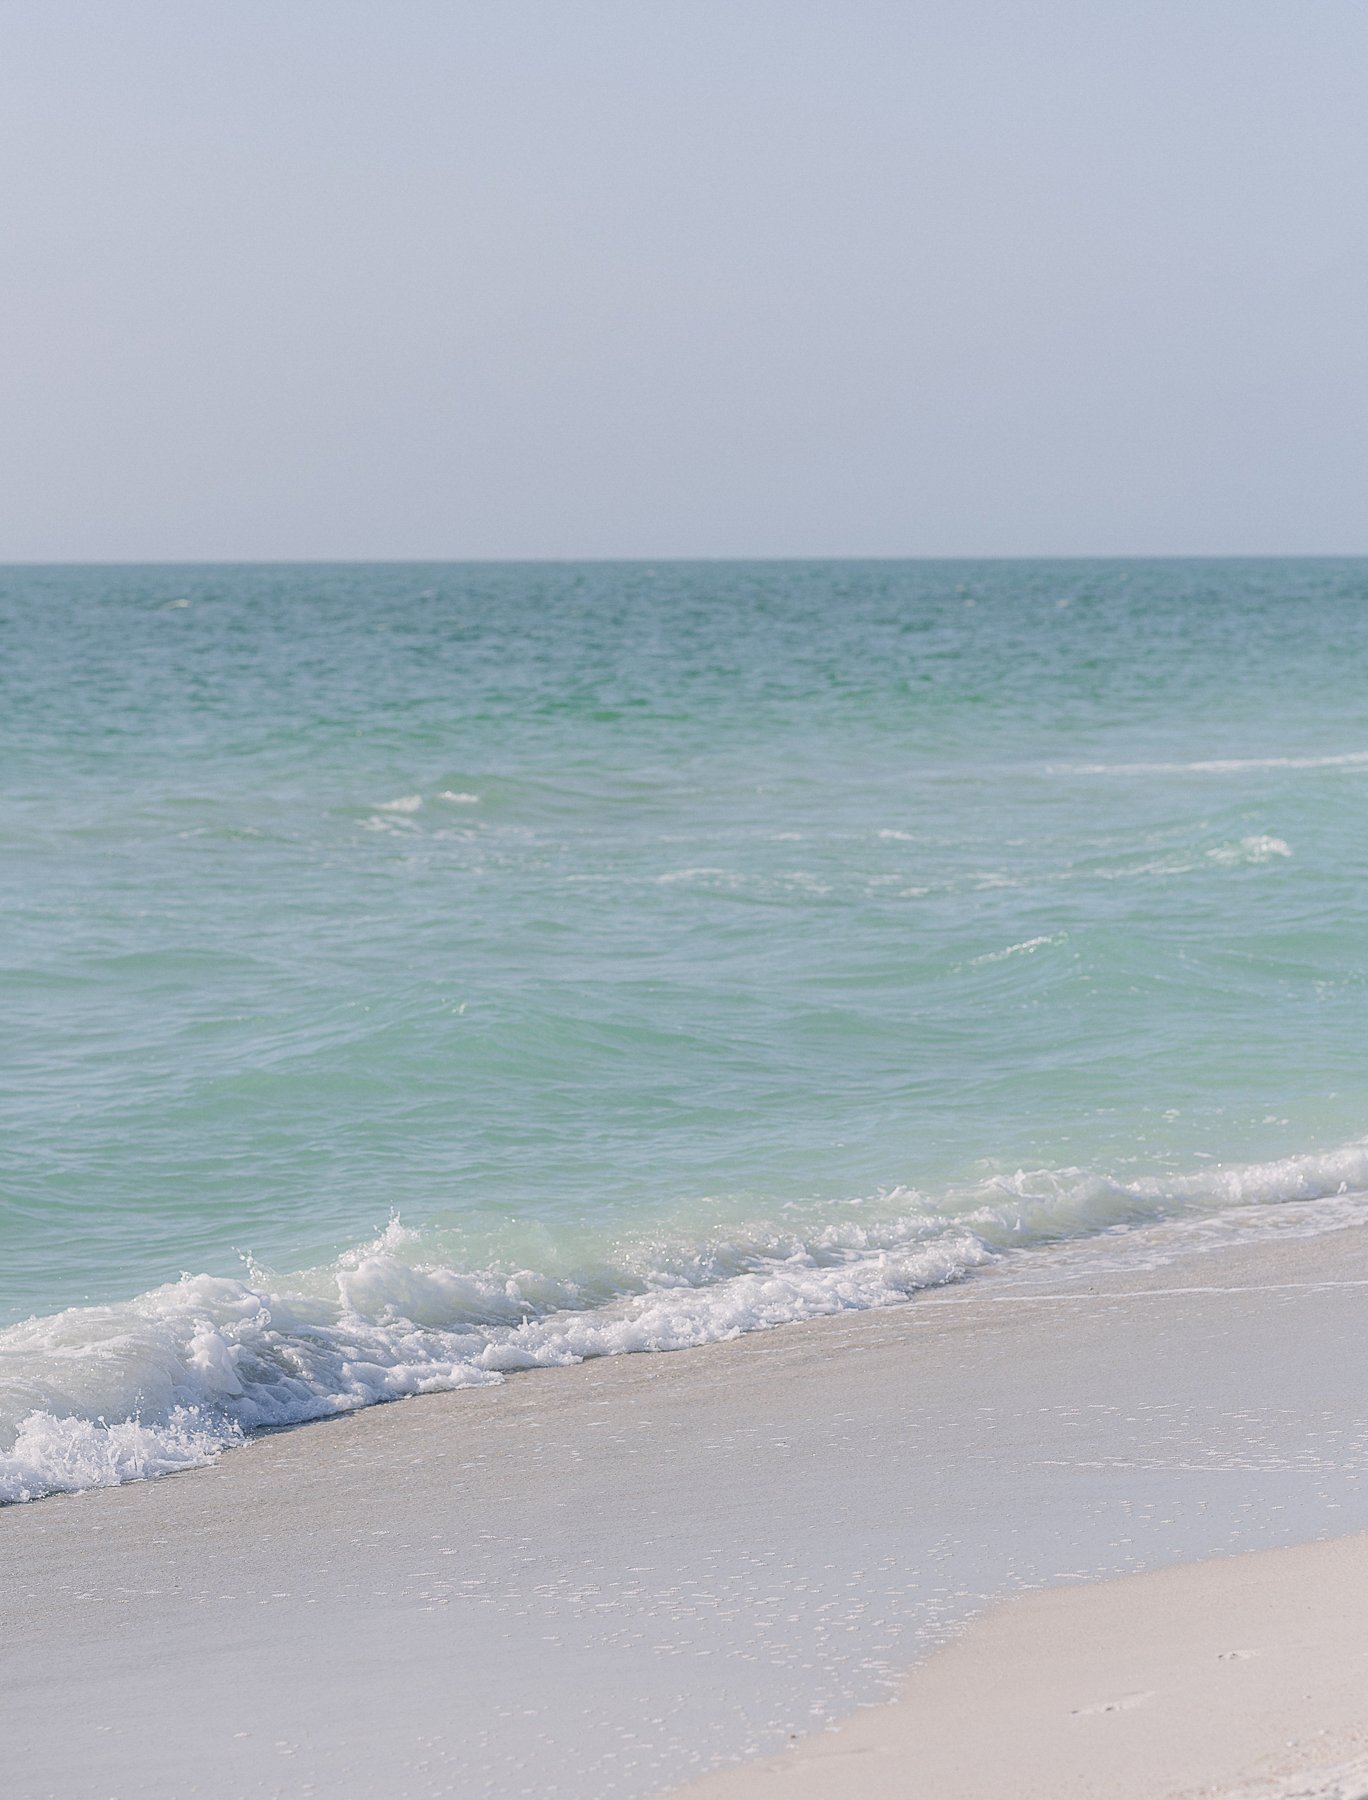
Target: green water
[(592, 917)]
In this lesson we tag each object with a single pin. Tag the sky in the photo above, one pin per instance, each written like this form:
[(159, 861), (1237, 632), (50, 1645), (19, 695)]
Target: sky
[(372, 279)]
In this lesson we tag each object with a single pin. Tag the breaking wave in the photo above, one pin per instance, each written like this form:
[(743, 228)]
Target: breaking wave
[(99, 1395)]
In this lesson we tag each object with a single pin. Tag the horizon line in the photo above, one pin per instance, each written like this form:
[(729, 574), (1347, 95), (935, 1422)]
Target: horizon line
[(305, 562)]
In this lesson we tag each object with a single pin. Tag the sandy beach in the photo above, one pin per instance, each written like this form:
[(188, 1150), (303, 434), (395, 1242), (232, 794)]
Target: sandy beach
[(615, 1577)]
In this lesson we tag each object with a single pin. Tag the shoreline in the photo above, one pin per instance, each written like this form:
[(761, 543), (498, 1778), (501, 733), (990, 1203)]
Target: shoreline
[(610, 1578), (1240, 1677)]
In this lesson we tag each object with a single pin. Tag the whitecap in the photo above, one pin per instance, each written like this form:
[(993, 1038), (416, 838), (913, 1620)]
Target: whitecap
[(1027, 947), (1231, 765), (700, 873), (1251, 850)]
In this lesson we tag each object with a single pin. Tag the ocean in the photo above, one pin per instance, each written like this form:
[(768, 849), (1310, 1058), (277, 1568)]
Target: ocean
[(417, 973)]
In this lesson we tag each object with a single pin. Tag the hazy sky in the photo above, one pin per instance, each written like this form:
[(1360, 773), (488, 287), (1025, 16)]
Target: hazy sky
[(487, 278)]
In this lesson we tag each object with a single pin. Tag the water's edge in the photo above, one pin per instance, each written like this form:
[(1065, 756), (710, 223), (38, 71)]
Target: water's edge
[(98, 1396)]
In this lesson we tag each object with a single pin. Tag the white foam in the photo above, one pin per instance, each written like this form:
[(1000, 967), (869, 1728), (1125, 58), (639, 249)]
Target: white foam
[(1027, 947), (453, 798), (406, 803), (1232, 765), (1259, 849), (64, 1455), (1090, 1201), (700, 873), (95, 1396), (99, 1395)]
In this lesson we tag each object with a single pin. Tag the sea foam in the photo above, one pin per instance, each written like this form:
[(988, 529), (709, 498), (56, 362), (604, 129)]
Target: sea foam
[(95, 1396)]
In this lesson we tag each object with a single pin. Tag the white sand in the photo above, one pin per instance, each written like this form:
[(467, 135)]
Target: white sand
[(604, 1580)]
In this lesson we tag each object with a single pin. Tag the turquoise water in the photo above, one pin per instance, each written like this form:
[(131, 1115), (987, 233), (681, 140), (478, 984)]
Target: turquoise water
[(448, 967)]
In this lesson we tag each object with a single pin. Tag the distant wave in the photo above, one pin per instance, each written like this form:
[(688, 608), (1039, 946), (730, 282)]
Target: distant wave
[(95, 1396), (1260, 848), (1027, 947), (1352, 759)]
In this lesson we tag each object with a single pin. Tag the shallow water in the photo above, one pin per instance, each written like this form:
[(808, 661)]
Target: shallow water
[(445, 969)]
